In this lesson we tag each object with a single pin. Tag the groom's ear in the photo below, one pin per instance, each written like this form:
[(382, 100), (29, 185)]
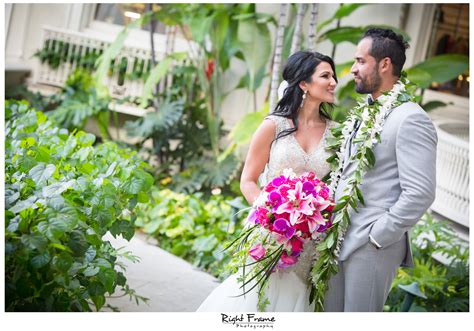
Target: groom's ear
[(385, 65)]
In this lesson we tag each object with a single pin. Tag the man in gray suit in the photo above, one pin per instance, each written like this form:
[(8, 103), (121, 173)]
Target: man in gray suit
[(397, 190)]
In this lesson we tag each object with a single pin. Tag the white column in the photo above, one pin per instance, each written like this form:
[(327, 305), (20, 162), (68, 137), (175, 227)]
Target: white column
[(16, 37), (419, 27), (8, 13)]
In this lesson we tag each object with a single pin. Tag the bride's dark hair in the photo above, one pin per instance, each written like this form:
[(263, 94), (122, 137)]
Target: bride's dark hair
[(300, 67)]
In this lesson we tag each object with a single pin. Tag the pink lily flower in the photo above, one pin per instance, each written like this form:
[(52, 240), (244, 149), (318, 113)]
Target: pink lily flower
[(320, 203), (315, 220), (257, 252), (298, 204)]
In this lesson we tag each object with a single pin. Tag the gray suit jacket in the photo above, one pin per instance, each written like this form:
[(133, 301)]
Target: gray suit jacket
[(400, 187)]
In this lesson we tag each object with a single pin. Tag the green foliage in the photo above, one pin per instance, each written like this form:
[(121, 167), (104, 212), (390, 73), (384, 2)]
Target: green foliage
[(255, 44), (191, 228), (35, 99), (445, 285), (155, 76), (56, 52), (181, 137), (440, 69), (343, 11), (79, 101), (62, 195)]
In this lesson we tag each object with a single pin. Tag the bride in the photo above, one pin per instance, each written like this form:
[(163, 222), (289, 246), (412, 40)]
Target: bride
[(293, 136)]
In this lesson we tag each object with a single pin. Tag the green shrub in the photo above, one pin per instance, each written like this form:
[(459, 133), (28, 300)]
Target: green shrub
[(78, 101), (191, 228), (62, 195), (446, 286)]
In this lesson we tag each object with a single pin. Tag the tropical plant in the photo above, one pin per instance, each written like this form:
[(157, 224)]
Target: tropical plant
[(216, 34), (191, 228), (181, 139), (78, 101), (62, 195), (35, 99), (441, 270)]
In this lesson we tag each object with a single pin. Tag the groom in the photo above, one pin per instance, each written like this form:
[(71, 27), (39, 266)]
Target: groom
[(397, 190)]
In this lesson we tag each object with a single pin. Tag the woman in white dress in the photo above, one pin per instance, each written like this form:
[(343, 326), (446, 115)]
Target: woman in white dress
[(293, 136)]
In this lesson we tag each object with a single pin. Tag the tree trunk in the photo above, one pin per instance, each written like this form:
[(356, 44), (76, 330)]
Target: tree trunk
[(153, 59), (170, 49), (296, 41), (277, 56), (333, 53), (312, 27)]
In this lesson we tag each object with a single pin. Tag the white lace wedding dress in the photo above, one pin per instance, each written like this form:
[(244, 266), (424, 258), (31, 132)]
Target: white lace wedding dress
[(288, 289)]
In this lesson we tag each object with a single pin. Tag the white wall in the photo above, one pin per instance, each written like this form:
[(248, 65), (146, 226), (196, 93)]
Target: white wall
[(24, 34)]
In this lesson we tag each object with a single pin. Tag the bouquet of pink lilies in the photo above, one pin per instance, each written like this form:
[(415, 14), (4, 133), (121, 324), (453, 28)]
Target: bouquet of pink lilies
[(289, 211)]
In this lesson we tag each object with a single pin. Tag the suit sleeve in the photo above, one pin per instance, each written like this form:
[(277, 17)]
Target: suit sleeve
[(416, 159)]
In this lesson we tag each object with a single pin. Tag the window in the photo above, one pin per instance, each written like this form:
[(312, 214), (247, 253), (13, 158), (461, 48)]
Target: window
[(451, 36), (124, 13)]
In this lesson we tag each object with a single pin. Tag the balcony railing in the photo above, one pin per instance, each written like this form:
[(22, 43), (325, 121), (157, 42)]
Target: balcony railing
[(74, 49), (452, 187)]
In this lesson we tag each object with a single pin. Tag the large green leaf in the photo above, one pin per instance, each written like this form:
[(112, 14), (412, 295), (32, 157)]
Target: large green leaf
[(353, 34), (155, 76), (41, 173), (429, 106), (139, 181), (344, 69), (343, 11), (41, 260), (56, 189), (165, 118), (439, 69), (219, 28), (342, 34), (255, 42), (247, 125)]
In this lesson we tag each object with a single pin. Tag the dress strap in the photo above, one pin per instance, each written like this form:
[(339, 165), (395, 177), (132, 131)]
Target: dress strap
[(280, 122)]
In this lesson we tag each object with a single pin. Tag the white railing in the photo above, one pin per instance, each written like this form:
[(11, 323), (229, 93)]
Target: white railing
[(452, 168), (119, 82)]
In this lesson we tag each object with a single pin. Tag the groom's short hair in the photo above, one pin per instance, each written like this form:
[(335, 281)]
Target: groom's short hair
[(386, 43)]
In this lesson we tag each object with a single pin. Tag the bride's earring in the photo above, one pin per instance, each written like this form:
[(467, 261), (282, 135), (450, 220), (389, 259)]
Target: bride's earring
[(302, 100)]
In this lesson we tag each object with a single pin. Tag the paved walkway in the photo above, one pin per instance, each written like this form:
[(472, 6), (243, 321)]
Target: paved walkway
[(170, 283)]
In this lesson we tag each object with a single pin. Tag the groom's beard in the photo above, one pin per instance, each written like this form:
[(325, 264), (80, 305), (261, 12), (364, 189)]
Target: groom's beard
[(369, 85)]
